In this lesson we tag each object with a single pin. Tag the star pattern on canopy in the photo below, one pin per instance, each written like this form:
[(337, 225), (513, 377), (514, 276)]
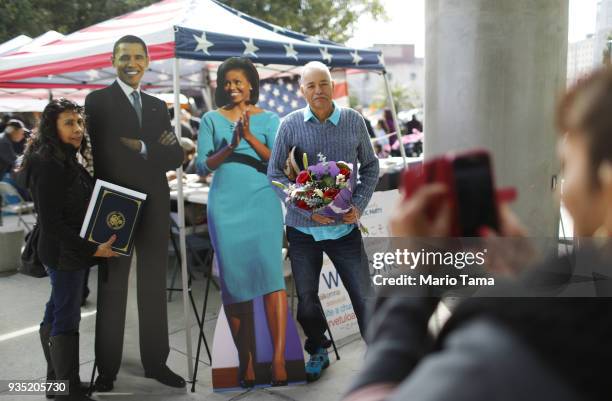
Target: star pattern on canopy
[(250, 48), (325, 55), (290, 51), (203, 43), (356, 57)]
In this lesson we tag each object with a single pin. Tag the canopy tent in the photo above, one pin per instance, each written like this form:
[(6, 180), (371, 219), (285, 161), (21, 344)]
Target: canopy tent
[(203, 30), (32, 100), (176, 29), (29, 100), (41, 40), (25, 43), (14, 43)]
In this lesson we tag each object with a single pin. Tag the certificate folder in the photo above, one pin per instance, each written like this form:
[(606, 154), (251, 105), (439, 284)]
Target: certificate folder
[(113, 209)]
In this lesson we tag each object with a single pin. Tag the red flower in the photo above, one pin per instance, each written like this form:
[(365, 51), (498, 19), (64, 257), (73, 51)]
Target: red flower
[(303, 177), (302, 205), (345, 172), (331, 193)]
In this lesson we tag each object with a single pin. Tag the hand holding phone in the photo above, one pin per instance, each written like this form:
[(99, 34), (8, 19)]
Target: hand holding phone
[(470, 191), (415, 218)]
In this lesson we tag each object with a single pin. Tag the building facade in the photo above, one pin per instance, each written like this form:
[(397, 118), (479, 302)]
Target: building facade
[(404, 69), (580, 56)]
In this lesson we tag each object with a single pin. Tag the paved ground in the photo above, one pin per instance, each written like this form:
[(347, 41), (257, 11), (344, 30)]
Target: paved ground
[(22, 299)]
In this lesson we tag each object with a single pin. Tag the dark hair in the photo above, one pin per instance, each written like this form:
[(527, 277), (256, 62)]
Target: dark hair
[(586, 110), (236, 63), (47, 144), (130, 39), (384, 125)]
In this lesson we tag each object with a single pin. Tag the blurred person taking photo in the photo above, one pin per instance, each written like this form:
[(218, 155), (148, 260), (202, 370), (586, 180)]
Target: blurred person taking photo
[(525, 348)]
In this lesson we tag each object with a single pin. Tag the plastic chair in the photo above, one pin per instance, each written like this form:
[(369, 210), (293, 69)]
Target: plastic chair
[(20, 208)]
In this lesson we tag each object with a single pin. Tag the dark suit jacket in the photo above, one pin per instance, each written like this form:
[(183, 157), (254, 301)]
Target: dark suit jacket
[(109, 116)]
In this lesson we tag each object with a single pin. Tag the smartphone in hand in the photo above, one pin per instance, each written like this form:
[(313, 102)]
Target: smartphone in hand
[(471, 190)]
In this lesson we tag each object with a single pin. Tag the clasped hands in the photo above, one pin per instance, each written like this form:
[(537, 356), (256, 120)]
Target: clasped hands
[(167, 138), (242, 130), (350, 217)]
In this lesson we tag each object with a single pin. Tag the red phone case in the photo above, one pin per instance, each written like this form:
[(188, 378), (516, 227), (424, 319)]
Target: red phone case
[(440, 170)]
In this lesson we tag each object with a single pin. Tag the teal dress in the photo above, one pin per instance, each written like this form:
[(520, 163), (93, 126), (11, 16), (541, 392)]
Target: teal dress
[(245, 219)]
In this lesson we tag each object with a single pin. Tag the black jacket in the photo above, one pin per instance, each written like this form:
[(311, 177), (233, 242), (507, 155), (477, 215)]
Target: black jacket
[(7, 154), (61, 193), (110, 115)]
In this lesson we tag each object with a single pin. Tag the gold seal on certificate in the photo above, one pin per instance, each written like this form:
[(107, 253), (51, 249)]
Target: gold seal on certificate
[(115, 220), (113, 209)]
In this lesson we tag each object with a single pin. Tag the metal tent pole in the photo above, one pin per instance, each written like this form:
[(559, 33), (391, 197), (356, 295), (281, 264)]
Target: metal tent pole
[(181, 218), (398, 130)]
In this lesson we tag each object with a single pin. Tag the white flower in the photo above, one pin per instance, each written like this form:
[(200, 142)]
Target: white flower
[(318, 192), (340, 178)]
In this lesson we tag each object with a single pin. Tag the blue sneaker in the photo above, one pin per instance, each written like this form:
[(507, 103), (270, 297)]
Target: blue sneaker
[(314, 367)]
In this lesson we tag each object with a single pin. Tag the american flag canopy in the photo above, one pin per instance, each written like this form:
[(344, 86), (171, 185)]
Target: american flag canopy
[(202, 45), (281, 95)]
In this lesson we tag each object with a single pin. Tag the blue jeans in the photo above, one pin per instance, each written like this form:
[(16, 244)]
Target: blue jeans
[(63, 311), (350, 260)]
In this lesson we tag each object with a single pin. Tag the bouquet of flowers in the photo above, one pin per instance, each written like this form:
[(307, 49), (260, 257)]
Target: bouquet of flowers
[(323, 188)]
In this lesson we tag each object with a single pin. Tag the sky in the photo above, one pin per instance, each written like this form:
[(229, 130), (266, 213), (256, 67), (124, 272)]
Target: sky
[(406, 24)]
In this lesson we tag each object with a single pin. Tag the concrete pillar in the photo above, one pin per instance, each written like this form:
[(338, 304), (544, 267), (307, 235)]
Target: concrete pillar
[(493, 72)]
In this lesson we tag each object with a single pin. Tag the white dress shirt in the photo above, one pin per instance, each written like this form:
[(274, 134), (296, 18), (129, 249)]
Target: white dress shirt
[(127, 89)]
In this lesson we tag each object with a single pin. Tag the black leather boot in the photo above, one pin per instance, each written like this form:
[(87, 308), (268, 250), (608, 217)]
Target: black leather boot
[(64, 351), (45, 332)]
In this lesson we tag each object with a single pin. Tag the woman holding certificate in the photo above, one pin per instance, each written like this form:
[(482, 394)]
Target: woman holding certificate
[(244, 215), (61, 188)]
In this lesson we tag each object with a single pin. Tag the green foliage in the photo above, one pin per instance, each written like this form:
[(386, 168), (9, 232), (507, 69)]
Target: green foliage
[(35, 17), (328, 182), (404, 98), (330, 19)]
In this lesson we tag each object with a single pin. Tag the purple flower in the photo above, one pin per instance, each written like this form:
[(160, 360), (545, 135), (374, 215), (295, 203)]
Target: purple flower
[(318, 169), (333, 169)]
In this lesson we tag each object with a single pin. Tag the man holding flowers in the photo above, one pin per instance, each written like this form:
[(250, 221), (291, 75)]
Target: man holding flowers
[(325, 203)]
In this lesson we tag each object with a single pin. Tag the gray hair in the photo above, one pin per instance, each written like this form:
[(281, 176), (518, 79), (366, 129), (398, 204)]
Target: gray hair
[(314, 65)]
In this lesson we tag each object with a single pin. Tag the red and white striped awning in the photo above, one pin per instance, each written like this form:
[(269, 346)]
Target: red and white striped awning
[(82, 59)]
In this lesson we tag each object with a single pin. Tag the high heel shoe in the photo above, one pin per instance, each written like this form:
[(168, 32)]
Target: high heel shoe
[(277, 383), (244, 383)]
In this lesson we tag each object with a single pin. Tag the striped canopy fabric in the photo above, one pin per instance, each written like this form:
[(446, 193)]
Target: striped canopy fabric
[(202, 30)]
